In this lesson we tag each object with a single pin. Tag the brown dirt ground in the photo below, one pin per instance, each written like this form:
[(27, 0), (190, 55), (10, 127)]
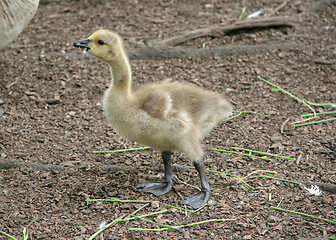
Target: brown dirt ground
[(42, 64)]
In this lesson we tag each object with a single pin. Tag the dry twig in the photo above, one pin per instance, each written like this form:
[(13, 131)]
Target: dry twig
[(221, 30)]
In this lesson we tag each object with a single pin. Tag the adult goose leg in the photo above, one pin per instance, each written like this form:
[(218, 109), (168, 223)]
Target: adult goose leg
[(201, 198), (159, 188)]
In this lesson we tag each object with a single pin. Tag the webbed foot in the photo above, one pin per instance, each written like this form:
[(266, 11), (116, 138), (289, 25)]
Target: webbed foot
[(157, 188), (197, 200)]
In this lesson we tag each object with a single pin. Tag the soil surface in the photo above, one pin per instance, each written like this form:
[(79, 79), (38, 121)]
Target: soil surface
[(52, 122)]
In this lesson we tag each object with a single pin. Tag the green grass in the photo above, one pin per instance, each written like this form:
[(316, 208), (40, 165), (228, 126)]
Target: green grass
[(25, 232), (242, 13), (307, 103), (304, 214), (244, 112), (133, 216), (249, 154)]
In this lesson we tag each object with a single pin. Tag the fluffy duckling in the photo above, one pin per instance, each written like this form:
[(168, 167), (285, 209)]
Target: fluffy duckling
[(14, 17), (167, 116)]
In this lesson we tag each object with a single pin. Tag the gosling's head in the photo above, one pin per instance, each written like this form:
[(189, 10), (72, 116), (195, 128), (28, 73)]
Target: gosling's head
[(103, 44)]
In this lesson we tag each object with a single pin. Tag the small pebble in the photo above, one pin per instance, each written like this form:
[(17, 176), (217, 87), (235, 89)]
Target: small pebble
[(1, 102)]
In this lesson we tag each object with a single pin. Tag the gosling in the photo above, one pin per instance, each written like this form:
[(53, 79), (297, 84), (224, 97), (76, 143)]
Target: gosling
[(167, 116)]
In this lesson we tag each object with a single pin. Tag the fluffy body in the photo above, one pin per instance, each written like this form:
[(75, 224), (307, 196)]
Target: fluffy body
[(168, 116)]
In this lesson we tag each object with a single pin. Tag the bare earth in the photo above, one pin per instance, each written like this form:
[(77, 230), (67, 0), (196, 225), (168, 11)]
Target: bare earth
[(54, 121)]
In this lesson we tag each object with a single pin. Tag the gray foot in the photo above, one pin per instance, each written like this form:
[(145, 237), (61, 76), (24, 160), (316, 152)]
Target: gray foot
[(197, 200), (157, 188)]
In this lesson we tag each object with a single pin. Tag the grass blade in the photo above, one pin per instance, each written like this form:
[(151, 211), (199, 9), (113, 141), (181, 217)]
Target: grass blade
[(145, 215), (316, 122), (123, 220), (305, 102), (7, 235), (304, 214), (242, 13), (262, 153), (107, 226), (159, 224), (227, 174), (274, 178), (241, 112), (26, 231), (251, 112), (319, 104), (317, 114), (244, 154), (182, 226), (117, 200)]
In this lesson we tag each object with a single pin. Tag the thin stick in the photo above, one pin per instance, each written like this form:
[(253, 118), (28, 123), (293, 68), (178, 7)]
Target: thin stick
[(282, 5), (221, 30), (304, 214), (283, 126), (122, 150), (187, 184), (259, 171)]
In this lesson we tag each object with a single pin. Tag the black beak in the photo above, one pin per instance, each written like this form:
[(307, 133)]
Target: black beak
[(83, 44)]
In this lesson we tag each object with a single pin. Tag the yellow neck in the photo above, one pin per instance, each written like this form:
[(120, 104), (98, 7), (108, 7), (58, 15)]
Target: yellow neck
[(121, 73)]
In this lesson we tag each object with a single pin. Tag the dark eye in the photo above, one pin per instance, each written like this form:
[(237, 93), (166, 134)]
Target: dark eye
[(101, 42)]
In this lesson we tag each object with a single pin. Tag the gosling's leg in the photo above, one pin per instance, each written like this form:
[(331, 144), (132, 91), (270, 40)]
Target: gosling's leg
[(201, 198), (159, 188)]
